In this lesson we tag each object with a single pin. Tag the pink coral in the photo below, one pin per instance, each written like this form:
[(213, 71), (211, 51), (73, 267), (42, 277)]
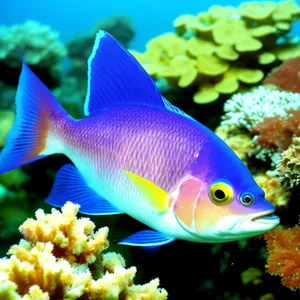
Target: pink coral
[(286, 77), (277, 132)]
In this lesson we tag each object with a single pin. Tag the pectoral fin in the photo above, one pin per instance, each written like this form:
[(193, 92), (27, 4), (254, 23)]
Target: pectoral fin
[(69, 185), (147, 238), (154, 195)]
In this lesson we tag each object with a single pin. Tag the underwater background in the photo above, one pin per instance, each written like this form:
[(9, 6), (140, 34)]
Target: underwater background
[(74, 18), (237, 75)]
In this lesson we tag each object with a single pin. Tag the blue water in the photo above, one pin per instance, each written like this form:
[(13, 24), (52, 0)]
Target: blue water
[(74, 18)]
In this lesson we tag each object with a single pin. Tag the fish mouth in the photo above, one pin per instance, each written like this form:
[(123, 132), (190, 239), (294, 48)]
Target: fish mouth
[(233, 227), (267, 218)]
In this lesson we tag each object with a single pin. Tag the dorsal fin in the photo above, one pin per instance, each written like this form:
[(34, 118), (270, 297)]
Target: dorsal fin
[(115, 78), (175, 109)]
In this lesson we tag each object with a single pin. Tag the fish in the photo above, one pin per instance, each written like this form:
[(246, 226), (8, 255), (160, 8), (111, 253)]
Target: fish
[(134, 152)]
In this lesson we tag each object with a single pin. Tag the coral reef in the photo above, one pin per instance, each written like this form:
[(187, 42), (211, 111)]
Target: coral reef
[(277, 132), (72, 91), (242, 144), (272, 117), (62, 257), (286, 77), (224, 50), (238, 140), (80, 48), (284, 255), (259, 125), (39, 46), (274, 191), (247, 110), (119, 27), (7, 94), (288, 167)]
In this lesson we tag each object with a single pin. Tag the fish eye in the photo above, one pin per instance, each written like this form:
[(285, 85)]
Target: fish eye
[(221, 193), (247, 199)]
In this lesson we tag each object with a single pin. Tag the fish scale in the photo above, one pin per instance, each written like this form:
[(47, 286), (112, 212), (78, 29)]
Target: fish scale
[(142, 150)]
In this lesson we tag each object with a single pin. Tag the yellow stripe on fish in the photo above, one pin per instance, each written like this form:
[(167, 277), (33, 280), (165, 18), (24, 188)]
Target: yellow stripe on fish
[(154, 195)]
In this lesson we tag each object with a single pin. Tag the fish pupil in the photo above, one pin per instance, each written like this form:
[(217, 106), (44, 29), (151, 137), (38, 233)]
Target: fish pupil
[(219, 194), (247, 199)]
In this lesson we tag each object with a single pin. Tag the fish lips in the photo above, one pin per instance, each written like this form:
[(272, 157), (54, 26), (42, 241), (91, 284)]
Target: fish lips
[(260, 222), (250, 225)]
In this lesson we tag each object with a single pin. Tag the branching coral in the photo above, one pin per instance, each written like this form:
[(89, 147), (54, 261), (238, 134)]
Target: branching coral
[(288, 166), (271, 116), (250, 109), (283, 246), (223, 50), (61, 257)]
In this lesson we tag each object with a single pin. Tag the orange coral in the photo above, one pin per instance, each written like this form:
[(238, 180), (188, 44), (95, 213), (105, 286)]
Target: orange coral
[(286, 77), (283, 246), (277, 132)]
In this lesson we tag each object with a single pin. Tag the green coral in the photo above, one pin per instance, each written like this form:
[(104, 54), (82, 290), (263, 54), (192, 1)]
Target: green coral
[(224, 50)]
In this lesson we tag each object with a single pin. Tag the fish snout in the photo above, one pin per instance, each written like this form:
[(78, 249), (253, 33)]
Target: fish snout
[(255, 223)]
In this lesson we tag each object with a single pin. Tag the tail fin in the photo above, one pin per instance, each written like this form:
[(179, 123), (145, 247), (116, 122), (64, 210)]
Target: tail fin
[(35, 107)]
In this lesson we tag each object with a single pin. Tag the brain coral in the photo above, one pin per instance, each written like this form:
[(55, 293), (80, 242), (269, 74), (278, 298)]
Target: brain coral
[(224, 50)]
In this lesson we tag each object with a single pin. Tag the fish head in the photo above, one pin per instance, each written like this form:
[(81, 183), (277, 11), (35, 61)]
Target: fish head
[(223, 203), (227, 211)]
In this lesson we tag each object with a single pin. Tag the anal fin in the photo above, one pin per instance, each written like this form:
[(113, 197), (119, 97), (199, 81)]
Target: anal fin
[(70, 186)]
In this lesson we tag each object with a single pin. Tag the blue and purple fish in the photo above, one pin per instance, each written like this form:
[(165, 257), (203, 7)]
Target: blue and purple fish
[(136, 153)]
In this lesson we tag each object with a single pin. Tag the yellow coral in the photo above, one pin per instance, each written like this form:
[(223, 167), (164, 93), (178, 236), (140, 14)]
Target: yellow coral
[(182, 68), (266, 58), (61, 257), (240, 142), (205, 94), (257, 10), (286, 11), (275, 192), (229, 45)]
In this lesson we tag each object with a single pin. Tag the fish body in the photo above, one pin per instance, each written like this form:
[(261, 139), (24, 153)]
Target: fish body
[(135, 153)]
